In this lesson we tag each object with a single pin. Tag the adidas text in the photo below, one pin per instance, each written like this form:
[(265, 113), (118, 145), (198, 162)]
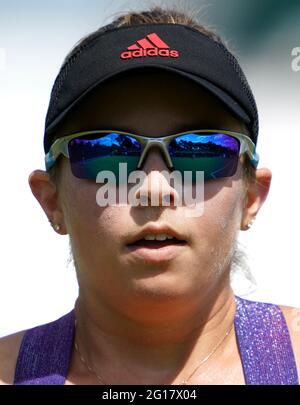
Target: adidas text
[(140, 53)]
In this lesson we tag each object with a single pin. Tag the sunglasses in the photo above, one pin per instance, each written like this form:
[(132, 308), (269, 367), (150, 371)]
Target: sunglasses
[(215, 152)]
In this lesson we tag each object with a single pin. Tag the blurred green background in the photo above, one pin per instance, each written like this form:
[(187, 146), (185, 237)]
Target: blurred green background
[(253, 23)]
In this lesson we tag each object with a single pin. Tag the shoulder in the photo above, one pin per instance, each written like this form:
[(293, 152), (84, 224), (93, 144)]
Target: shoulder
[(9, 349), (43, 341), (292, 317)]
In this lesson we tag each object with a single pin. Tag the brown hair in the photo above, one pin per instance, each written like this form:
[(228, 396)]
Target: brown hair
[(155, 15)]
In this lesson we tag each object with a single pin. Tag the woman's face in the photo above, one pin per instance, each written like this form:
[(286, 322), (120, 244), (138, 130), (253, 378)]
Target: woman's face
[(152, 104)]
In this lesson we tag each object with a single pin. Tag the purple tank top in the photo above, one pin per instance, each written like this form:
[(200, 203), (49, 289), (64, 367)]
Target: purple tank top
[(261, 330)]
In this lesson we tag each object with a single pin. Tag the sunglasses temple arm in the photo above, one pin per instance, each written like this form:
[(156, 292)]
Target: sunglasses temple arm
[(255, 159), (54, 152), (49, 160), (251, 152)]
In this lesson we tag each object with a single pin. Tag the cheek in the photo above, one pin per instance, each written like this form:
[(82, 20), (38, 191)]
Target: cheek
[(223, 212), (95, 232), (91, 225), (224, 203), (215, 232)]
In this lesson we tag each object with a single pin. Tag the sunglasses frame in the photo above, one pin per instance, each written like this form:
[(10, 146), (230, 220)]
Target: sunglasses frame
[(60, 146)]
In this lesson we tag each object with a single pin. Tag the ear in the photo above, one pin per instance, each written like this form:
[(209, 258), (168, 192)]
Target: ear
[(45, 191), (256, 195)]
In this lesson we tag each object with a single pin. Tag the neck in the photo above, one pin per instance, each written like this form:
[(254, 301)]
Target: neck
[(150, 351)]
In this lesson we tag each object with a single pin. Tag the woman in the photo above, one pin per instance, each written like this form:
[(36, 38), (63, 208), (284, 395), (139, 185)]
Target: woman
[(153, 311)]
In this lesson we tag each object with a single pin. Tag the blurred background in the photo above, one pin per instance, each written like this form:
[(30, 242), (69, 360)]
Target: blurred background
[(37, 279)]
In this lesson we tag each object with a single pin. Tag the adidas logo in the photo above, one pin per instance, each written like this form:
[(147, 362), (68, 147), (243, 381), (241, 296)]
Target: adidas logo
[(151, 45)]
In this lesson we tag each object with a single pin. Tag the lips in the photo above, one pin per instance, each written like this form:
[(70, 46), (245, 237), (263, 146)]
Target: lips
[(156, 230), (156, 244), (163, 245)]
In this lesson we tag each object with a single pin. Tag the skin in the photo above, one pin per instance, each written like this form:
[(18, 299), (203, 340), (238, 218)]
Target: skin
[(150, 322)]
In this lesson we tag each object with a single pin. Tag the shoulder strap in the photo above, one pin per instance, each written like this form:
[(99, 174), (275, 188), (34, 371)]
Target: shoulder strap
[(45, 352), (264, 343)]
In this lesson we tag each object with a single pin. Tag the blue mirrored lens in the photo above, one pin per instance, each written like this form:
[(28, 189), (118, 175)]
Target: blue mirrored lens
[(215, 154), (221, 145), (89, 156), (111, 144)]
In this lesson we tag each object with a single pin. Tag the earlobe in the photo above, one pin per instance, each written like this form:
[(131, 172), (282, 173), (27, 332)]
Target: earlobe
[(256, 195), (55, 226), (248, 224), (45, 191)]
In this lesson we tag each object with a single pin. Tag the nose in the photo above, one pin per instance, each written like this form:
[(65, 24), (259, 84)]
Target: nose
[(156, 189)]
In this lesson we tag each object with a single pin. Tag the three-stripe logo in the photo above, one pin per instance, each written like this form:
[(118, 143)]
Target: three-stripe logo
[(151, 45)]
